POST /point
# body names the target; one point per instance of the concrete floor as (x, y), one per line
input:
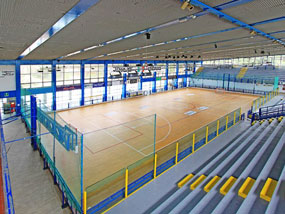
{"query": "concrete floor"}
(32, 187)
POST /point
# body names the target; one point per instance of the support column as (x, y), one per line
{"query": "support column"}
(82, 84)
(34, 122)
(18, 87)
(177, 72)
(186, 74)
(105, 82)
(140, 83)
(53, 79)
(166, 76)
(124, 89)
(229, 79)
(154, 83)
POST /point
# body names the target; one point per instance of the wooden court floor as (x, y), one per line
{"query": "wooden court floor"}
(103, 157)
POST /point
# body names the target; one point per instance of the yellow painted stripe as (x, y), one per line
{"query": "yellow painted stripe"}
(197, 182)
(246, 187)
(84, 202)
(228, 185)
(268, 189)
(185, 180)
(211, 184)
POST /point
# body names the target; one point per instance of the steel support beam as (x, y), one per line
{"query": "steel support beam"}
(233, 20)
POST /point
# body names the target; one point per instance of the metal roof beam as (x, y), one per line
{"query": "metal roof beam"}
(80, 8)
(233, 20)
(226, 5)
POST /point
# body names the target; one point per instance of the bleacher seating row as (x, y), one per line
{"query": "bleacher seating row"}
(251, 73)
(246, 177)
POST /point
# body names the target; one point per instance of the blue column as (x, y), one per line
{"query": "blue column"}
(177, 72)
(185, 79)
(53, 79)
(166, 75)
(140, 83)
(82, 84)
(229, 79)
(105, 82)
(154, 83)
(34, 122)
(124, 89)
(18, 87)
(223, 81)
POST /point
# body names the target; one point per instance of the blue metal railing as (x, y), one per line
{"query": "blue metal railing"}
(272, 111)
(269, 112)
(6, 175)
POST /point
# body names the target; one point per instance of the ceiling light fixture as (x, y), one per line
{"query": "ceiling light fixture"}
(147, 35)
(253, 33)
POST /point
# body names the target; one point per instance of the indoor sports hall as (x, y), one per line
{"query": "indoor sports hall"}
(142, 106)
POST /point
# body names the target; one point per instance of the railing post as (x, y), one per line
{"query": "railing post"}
(207, 133)
(84, 202)
(193, 145)
(234, 118)
(218, 127)
(126, 183)
(240, 114)
(227, 120)
(176, 154)
(155, 163)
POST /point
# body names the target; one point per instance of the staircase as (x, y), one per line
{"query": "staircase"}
(246, 177)
(241, 73)
(200, 69)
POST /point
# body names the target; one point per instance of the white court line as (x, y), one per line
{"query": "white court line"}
(166, 136)
(169, 130)
(118, 139)
(135, 149)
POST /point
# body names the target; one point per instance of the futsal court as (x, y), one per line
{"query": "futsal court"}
(114, 150)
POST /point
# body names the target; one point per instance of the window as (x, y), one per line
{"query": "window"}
(67, 74)
(182, 67)
(162, 72)
(35, 76)
(94, 73)
(171, 69)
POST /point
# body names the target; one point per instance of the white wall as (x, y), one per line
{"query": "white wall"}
(7, 78)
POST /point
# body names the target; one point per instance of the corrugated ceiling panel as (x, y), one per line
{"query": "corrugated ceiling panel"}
(22, 22)
(257, 10)
(198, 26)
(107, 20)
